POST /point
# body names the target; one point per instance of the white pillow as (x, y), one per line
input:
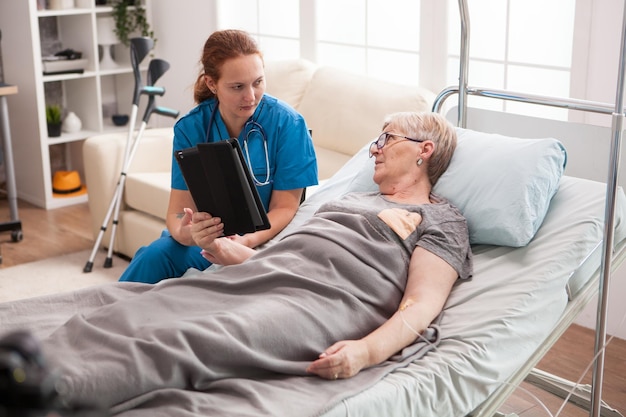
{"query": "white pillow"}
(502, 185)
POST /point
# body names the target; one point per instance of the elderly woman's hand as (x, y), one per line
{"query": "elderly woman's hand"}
(343, 359)
(207, 232)
(227, 251)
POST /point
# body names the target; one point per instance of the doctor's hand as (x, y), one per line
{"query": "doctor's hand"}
(184, 225)
(204, 228)
(343, 359)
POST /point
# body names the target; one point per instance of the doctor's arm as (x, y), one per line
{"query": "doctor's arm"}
(177, 221)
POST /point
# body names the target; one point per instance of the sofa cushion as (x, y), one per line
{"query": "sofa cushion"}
(347, 110)
(148, 192)
(329, 162)
(288, 80)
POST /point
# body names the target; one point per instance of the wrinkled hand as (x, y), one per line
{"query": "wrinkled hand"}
(343, 359)
(204, 228)
(226, 251)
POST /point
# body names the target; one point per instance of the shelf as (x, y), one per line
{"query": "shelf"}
(122, 69)
(68, 76)
(90, 95)
(108, 9)
(59, 201)
(72, 137)
(63, 12)
(104, 9)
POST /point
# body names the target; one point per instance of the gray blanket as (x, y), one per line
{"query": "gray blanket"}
(241, 339)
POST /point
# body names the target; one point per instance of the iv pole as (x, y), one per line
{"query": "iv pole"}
(611, 192)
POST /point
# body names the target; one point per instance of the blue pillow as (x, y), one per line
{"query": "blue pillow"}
(502, 185)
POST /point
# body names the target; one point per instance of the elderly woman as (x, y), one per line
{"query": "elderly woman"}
(338, 297)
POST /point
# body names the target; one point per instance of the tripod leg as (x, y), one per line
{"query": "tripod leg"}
(129, 139)
(109, 259)
(89, 265)
(108, 262)
(116, 195)
(156, 69)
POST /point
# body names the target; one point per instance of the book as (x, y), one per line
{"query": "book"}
(221, 184)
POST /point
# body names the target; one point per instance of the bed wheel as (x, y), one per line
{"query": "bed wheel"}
(17, 235)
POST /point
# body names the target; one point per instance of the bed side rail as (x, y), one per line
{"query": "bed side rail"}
(566, 103)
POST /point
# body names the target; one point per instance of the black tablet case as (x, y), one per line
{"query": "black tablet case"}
(220, 184)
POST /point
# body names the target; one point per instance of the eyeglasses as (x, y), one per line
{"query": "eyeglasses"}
(384, 137)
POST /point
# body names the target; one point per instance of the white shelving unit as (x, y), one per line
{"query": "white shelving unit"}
(36, 156)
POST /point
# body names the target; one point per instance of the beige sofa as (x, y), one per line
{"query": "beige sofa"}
(344, 110)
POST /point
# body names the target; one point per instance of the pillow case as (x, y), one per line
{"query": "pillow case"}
(502, 185)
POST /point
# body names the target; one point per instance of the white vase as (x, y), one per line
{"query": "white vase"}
(72, 123)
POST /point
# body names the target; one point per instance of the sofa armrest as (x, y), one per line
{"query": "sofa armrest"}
(103, 157)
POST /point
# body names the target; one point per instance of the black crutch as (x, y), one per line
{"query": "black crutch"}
(139, 49)
(156, 68)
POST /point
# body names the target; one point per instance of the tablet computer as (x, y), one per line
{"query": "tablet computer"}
(221, 184)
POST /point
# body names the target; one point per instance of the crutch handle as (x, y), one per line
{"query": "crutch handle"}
(164, 111)
(152, 90)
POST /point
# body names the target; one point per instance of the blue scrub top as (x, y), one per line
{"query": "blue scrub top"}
(292, 159)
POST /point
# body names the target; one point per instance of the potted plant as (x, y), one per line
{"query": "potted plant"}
(129, 18)
(53, 119)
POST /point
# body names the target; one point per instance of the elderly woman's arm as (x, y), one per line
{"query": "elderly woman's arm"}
(429, 284)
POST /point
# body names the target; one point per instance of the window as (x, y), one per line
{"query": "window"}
(516, 45)
(368, 37)
(275, 23)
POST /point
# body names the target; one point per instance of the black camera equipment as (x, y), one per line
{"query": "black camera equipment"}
(27, 387)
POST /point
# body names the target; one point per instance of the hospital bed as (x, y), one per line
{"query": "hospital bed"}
(523, 296)
(496, 329)
(537, 241)
(544, 245)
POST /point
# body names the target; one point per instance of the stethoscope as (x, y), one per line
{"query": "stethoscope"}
(252, 127)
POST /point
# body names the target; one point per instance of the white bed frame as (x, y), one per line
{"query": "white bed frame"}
(590, 399)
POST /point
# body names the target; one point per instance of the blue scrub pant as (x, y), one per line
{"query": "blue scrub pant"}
(163, 258)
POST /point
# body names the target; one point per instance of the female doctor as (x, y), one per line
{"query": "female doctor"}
(231, 103)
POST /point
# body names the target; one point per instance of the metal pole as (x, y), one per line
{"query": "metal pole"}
(1, 66)
(611, 192)
(561, 102)
(463, 64)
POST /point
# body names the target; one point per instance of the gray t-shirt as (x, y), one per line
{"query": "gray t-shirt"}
(439, 227)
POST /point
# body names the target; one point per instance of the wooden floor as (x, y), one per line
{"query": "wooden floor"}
(48, 233)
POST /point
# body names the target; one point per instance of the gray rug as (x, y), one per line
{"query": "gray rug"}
(59, 274)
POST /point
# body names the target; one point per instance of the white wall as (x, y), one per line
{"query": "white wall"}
(181, 28)
(601, 60)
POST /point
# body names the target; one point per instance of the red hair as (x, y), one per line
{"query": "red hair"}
(219, 47)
